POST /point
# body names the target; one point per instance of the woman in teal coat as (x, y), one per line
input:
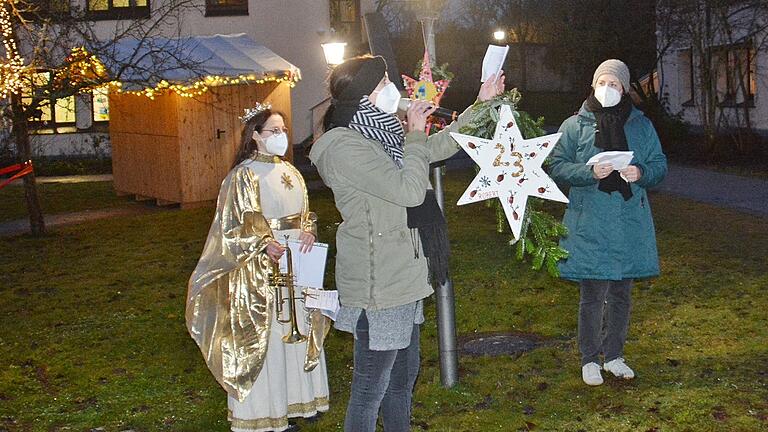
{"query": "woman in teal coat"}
(611, 239)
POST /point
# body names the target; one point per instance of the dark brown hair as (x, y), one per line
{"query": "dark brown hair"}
(338, 80)
(247, 143)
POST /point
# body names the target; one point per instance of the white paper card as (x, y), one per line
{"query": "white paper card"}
(619, 159)
(493, 60)
(326, 301)
(308, 268)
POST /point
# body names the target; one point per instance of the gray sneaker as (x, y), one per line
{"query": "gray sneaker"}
(619, 368)
(590, 373)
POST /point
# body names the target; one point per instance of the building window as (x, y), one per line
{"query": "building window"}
(735, 75)
(117, 9)
(345, 19)
(52, 115)
(60, 115)
(100, 104)
(45, 8)
(226, 7)
(686, 77)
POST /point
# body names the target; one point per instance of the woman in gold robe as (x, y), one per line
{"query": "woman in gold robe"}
(231, 311)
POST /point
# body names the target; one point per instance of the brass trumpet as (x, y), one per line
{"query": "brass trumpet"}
(280, 281)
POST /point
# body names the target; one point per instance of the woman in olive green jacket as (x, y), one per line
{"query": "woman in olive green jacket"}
(380, 180)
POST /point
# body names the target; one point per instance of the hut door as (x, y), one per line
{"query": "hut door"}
(209, 130)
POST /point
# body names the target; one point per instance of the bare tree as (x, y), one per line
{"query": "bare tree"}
(723, 36)
(586, 32)
(65, 56)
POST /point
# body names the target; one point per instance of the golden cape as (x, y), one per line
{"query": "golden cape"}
(229, 301)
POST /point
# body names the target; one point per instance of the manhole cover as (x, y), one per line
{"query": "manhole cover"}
(499, 345)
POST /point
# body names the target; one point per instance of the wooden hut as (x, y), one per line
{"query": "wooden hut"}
(177, 149)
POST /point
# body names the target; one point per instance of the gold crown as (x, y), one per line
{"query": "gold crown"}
(251, 112)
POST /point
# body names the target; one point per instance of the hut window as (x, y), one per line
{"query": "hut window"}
(226, 7)
(100, 105)
(117, 9)
(51, 115)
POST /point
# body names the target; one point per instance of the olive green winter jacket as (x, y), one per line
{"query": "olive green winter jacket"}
(378, 263)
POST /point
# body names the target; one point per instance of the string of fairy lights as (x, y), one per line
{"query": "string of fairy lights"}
(12, 68)
(86, 71)
(201, 86)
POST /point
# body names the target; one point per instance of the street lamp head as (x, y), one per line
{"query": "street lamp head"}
(334, 52)
(499, 35)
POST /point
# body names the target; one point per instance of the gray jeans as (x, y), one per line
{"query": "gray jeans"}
(604, 311)
(381, 380)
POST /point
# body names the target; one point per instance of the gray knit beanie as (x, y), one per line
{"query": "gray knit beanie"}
(613, 67)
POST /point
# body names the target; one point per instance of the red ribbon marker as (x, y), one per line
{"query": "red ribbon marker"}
(22, 168)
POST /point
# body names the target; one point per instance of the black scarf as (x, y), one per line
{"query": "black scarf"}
(609, 136)
(426, 219)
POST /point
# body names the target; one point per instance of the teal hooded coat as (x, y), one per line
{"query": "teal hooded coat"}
(608, 238)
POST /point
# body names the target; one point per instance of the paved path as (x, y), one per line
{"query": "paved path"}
(746, 194)
(21, 226)
(69, 179)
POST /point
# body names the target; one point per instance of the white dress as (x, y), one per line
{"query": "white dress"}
(282, 389)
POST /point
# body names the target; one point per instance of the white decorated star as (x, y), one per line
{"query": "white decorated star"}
(510, 168)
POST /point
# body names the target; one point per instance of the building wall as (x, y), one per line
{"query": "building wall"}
(293, 29)
(677, 85)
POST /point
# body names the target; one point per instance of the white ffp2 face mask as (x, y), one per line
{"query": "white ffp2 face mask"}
(607, 96)
(388, 99)
(275, 144)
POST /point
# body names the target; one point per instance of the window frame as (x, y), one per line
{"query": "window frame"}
(350, 30)
(56, 127)
(52, 126)
(94, 121)
(691, 96)
(730, 55)
(133, 11)
(217, 10)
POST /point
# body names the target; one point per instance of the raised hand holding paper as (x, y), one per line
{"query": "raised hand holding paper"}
(493, 61)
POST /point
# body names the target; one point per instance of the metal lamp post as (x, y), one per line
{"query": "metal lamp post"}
(446, 312)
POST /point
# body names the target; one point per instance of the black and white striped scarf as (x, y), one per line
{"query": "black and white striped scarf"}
(377, 125)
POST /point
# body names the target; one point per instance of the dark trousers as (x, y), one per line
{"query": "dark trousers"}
(604, 311)
(381, 380)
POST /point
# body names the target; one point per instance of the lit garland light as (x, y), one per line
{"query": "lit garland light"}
(81, 69)
(201, 86)
(12, 69)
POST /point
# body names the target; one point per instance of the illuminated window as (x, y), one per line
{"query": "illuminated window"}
(117, 9)
(59, 119)
(100, 105)
(226, 7)
(735, 74)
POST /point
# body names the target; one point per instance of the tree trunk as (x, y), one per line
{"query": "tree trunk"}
(24, 148)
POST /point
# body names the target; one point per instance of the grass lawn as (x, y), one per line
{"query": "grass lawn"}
(60, 198)
(93, 331)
